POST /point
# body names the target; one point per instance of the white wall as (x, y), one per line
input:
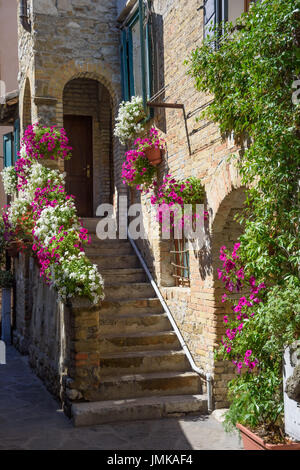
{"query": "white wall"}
(235, 9)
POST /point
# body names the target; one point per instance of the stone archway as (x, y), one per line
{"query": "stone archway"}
(87, 118)
(26, 114)
(104, 75)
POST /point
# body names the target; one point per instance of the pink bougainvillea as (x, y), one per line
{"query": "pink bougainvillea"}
(234, 278)
(41, 142)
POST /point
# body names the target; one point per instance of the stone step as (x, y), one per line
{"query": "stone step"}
(94, 250)
(143, 363)
(136, 290)
(146, 322)
(90, 223)
(131, 306)
(111, 411)
(123, 276)
(163, 340)
(146, 385)
(115, 261)
(108, 242)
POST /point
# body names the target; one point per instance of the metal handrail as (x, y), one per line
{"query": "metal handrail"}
(206, 376)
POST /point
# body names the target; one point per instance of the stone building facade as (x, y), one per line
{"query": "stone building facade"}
(70, 64)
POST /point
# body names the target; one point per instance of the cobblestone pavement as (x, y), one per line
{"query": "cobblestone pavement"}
(31, 419)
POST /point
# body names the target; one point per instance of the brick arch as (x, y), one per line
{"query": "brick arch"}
(225, 230)
(221, 193)
(73, 70)
(26, 103)
(84, 96)
(102, 74)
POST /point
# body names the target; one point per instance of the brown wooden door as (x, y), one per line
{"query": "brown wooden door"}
(79, 169)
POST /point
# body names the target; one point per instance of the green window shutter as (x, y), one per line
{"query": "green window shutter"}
(210, 17)
(130, 64)
(136, 57)
(124, 65)
(8, 149)
(16, 139)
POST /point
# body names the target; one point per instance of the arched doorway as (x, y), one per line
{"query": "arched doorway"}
(26, 114)
(226, 231)
(87, 113)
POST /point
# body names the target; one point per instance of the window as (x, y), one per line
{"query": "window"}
(11, 145)
(8, 140)
(217, 11)
(135, 56)
(181, 262)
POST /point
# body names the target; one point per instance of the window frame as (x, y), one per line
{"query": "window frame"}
(181, 262)
(221, 13)
(126, 52)
(8, 149)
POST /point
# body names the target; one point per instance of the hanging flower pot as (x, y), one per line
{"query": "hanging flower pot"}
(154, 155)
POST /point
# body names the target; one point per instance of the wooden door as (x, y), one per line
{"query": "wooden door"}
(79, 169)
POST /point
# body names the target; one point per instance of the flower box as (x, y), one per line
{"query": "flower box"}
(253, 442)
(13, 248)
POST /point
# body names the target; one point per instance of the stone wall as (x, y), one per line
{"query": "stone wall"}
(71, 39)
(61, 340)
(42, 326)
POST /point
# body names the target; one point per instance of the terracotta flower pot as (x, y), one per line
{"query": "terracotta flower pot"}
(154, 155)
(253, 442)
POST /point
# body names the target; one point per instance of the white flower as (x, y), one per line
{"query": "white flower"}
(10, 180)
(127, 122)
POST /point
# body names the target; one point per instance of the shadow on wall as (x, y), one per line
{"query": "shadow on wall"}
(158, 79)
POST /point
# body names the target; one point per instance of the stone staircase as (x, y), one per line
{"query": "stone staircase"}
(144, 371)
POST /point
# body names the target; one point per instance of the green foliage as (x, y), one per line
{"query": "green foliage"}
(251, 75)
(145, 173)
(257, 397)
(6, 279)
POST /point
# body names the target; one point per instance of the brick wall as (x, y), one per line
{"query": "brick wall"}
(73, 39)
(177, 29)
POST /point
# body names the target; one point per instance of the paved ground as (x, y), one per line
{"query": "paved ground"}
(30, 419)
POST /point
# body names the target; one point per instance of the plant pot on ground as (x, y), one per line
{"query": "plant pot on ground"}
(253, 441)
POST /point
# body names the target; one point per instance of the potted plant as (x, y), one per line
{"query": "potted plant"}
(153, 147)
(42, 143)
(263, 321)
(130, 120)
(174, 195)
(136, 170)
(139, 166)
